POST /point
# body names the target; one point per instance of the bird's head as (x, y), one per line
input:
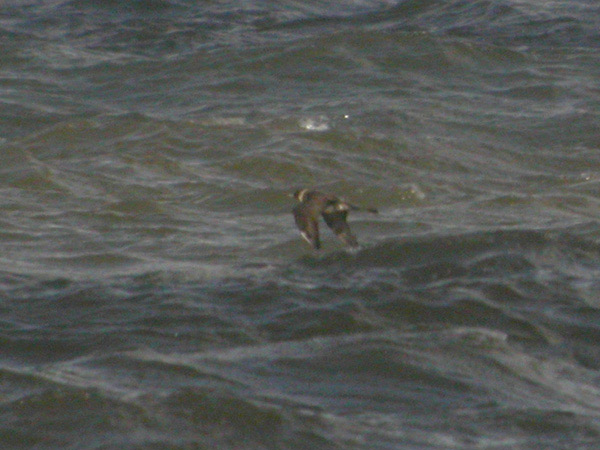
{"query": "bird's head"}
(300, 194)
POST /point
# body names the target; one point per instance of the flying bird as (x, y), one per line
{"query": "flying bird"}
(313, 204)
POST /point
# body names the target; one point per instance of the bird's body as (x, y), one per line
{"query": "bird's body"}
(313, 204)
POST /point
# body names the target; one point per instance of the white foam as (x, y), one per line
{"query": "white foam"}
(320, 123)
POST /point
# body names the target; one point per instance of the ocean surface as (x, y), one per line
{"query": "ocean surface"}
(156, 294)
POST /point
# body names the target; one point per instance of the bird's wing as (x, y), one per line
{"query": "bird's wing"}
(336, 220)
(308, 225)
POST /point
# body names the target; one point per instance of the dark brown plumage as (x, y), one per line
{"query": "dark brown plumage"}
(313, 204)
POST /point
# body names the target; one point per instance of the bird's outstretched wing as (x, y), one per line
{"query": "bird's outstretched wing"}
(336, 220)
(308, 225)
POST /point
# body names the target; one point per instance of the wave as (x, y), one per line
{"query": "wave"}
(159, 26)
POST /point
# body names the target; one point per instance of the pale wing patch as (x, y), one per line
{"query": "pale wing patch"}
(306, 237)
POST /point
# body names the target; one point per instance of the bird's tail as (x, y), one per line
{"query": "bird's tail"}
(360, 208)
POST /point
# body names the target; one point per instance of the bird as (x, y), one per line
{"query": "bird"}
(312, 204)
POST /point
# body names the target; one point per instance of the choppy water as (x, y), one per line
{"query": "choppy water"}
(155, 294)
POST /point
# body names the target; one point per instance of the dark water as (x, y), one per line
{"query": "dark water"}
(154, 293)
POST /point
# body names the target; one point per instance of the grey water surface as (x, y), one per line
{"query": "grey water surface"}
(155, 294)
